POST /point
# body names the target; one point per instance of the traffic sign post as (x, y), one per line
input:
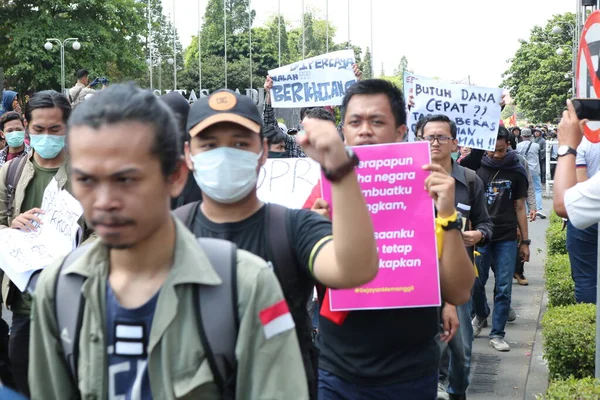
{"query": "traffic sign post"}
(588, 70)
(588, 86)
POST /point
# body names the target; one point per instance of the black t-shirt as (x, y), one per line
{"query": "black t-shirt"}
(502, 189)
(381, 347)
(307, 230)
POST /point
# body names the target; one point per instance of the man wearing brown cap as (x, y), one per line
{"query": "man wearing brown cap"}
(226, 152)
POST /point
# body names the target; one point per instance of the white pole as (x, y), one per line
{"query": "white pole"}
(62, 67)
(279, 27)
(174, 50)
(372, 52)
(225, 37)
(348, 23)
(199, 50)
(326, 26)
(303, 33)
(250, 38)
(150, 65)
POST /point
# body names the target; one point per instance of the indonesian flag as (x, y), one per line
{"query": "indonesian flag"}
(276, 319)
(513, 120)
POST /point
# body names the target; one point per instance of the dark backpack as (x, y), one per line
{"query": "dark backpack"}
(218, 330)
(281, 255)
(15, 170)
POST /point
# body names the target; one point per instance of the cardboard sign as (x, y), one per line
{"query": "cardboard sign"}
(288, 181)
(22, 253)
(474, 109)
(392, 181)
(317, 81)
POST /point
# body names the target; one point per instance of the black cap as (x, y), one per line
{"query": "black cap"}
(81, 73)
(224, 106)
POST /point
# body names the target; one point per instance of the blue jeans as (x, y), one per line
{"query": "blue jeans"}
(332, 387)
(582, 245)
(537, 184)
(455, 362)
(504, 255)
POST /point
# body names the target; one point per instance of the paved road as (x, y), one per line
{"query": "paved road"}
(500, 376)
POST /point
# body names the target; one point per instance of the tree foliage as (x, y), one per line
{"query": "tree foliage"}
(539, 79)
(266, 42)
(112, 34)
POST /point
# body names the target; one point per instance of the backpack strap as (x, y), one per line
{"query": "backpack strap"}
(68, 308)
(281, 253)
(217, 314)
(528, 148)
(471, 177)
(187, 214)
(15, 170)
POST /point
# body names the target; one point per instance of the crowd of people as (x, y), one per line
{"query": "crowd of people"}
(185, 285)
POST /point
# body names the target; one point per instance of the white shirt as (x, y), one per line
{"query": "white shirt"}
(588, 155)
(582, 202)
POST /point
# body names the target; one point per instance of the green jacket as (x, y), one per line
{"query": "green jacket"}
(177, 367)
(23, 306)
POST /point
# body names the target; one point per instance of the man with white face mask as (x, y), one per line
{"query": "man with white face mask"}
(13, 128)
(46, 113)
(226, 152)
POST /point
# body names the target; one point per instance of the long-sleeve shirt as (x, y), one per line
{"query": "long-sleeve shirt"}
(292, 147)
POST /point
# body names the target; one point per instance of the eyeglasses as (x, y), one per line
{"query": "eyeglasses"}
(431, 139)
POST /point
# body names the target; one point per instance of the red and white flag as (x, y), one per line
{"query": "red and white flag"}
(276, 319)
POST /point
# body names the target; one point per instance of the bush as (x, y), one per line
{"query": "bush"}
(573, 389)
(559, 283)
(556, 240)
(555, 219)
(570, 340)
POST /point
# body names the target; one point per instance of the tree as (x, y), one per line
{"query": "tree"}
(112, 34)
(539, 80)
(367, 69)
(265, 48)
(402, 67)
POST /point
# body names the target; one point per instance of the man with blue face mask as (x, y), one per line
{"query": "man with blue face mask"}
(13, 128)
(226, 151)
(47, 114)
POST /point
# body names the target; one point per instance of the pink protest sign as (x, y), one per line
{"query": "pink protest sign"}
(392, 181)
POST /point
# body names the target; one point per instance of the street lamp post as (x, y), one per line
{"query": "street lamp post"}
(574, 46)
(62, 43)
(150, 62)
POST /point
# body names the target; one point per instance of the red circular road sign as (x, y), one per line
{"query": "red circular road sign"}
(588, 70)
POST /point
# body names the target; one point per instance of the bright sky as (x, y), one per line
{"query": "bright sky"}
(447, 39)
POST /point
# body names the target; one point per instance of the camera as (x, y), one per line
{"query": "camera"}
(99, 81)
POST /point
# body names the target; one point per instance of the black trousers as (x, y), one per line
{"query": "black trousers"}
(18, 352)
(543, 170)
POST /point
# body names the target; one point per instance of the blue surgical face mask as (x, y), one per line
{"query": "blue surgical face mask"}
(226, 175)
(15, 139)
(47, 146)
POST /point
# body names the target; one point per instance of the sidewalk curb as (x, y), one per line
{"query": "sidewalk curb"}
(537, 376)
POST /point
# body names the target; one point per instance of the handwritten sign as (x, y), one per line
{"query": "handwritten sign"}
(316, 81)
(288, 181)
(409, 89)
(474, 109)
(22, 252)
(392, 180)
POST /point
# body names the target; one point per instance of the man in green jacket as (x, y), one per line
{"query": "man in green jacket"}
(46, 114)
(140, 277)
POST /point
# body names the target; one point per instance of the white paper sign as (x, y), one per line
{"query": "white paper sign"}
(317, 81)
(288, 181)
(474, 109)
(409, 89)
(22, 253)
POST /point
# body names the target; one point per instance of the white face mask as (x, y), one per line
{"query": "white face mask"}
(226, 175)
